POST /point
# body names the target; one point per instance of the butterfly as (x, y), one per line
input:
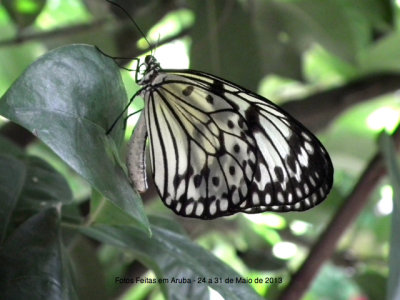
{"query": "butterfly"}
(217, 149)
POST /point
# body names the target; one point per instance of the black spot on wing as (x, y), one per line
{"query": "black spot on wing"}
(188, 90)
(232, 170)
(217, 87)
(279, 173)
(215, 181)
(253, 119)
(197, 180)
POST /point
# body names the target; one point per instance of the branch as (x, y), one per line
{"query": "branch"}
(318, 110)
(61, 32)
(351, 208)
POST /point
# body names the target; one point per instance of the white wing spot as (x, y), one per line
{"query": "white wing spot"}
(309, 148)
(322, 192)
(306, 136)
(243, 189)
(189, 208)
(303, 158)
(298, 192)
(178, 207)
(268, 199)
(235, 197)
(213, 208)
(314, 198)
(223, 204)
(256, 199)
(199, 209)
(280, 197)
(290, 198)
(306, 189)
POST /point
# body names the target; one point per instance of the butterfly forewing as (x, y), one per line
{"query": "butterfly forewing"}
(217, 149)
(202, 161)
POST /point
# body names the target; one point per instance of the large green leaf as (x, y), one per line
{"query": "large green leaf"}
(173, 255)
(30, 260)
(68, 98)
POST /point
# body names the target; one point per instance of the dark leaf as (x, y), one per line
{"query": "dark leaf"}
(31, 262)
(12, 178)
(69, 98)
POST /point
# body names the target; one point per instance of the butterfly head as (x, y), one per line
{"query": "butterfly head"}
(151, 68)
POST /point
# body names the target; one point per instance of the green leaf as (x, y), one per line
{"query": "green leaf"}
(68, 98)
(105, 212)
(12, 178)
(31, 262)
(389, 152)
(170, 255)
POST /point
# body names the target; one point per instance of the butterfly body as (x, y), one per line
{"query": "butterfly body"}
(217, 149)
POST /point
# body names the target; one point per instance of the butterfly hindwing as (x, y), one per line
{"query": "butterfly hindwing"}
(217, 149)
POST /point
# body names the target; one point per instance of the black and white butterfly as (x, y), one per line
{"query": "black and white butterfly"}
(217, 149)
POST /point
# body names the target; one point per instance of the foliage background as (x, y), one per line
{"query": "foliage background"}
(333, 64)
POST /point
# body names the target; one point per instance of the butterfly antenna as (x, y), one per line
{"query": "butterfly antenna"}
(118, 57)
(158, 42)
(132, 20)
